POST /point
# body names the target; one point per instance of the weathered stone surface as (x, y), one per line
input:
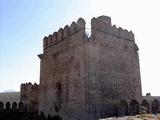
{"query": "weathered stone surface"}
(86, 78)
(30, 96)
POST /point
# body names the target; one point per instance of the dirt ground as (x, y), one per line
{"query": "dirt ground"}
(137, 117)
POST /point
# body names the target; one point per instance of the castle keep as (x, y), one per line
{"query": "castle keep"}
(86, 77)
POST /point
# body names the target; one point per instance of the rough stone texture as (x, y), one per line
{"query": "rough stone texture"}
(85, 78)
(150, 98)
(151, 103)
(30, 96)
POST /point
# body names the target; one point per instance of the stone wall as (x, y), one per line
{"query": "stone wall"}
(30, 96)
(10, 97)
(85, 77)
(63, 72)
(114, 73)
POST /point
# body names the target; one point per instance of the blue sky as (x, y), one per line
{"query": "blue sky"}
(24, 23)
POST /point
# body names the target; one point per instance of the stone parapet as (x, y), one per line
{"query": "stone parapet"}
(64, 33)
(103, 24)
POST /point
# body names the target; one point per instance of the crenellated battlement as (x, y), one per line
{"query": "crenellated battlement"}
(85, 75)
(63, 33)
(100, 24)
(25, 87)
(122, 33)
(29, 95)
(103, 24)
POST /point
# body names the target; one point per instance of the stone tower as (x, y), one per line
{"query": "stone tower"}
(29, 94)
(85, 77)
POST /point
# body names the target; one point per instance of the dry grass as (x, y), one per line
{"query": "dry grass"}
(137, 117)
(148, 117)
